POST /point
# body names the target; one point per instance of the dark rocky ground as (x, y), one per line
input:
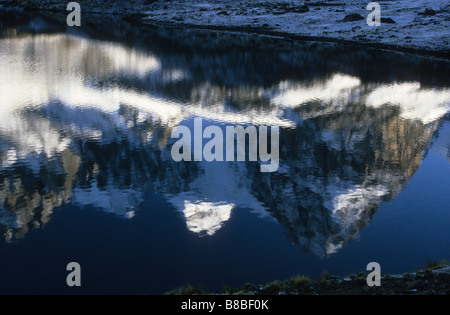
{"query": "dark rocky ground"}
(418, 27)
(433, 280)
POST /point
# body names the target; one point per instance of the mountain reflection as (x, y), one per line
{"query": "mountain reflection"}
(88, 122)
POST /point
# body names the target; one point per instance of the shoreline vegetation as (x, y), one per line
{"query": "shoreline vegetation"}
(420, 28)
(433, 279)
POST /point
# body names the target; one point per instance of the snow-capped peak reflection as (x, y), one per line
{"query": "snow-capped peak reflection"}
(415, 103)
(202, 217)
(334, 94)
(91, 121)
(337, 90)
(213, 195)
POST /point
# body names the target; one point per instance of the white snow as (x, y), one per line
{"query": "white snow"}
(213, 196)
(336, 93)
(336, 90)
(410, 30)
(415, 103)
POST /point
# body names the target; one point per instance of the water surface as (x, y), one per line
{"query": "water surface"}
(86, 173)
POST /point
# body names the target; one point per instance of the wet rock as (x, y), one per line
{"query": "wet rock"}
(223, 13)
(326, 4)
(416, 284)
(278, 12)
(387, 20)
(353, 17)
(428, 12)
(302, 9)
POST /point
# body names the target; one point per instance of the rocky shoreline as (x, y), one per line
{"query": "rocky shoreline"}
(419, 28)
(432, 280)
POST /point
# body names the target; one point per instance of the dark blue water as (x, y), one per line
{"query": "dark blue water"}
(87, 175)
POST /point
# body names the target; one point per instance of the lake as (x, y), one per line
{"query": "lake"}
(87, 173)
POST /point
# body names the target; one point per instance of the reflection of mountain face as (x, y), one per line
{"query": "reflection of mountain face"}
(340, 173)
(78, 124)
(442, 145)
